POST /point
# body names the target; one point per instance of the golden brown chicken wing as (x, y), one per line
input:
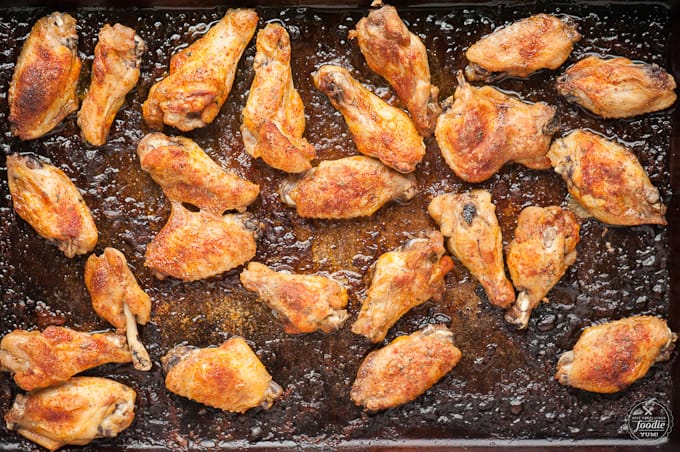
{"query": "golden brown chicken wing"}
(607, 180)
(47, 200)
(303, 303)
(347, 188)
(43, 87)
(201, 75)
(73, 413)
(609, 357)
(617, 87)
(404, 369)
(274, 116)
(403, 279)
(38, 360)
(378, 129)
(229, 377)
(115, 71)
(469, 220)
(543, 248)
(188, 174)
(521, 48)
(482, 128)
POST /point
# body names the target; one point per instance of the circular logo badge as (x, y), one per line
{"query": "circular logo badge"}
(649, 420)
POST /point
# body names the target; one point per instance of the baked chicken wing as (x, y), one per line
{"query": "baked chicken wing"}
(47, 200)
(404, 369)
(482, 128)
(43, 90)
(378, 129)
(73, 413)
(609, 357)
(201, 75)
(607, 180)
(543, 248)
(274, 116)
(617, 87)
(403, 279)
(229, 377)
(469, 220)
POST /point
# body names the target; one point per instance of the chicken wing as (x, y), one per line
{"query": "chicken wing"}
(543, 248)
(403, 279)
(47, 200)
(617, 87)
(45, 80)
(469, 220)
(400, 57)
(521, 48)
(607, 180)
(274, 116)
(115, 71)
(404, 369)
(482, 128)
(609, 357)
(303, 303)
(73, 413)
(378, 129)
(188, 174)
(229, 377)
(38, 360)
(347, 188)
(201, 75)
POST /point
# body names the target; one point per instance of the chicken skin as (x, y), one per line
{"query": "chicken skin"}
(379, 130)
(469, 220)
(118, 299)
(115, 71)
(403, 279)
(482, 128)
(73, 413)
(186, 173)
(609, 357)
(543, 248)
(48, 201)
(347, 188)
(617, 87)
(404, 369)
(274, 116)
(521, 48)
(229, 377)
(400, 57)
(43, 90)
(201, 75)
(303, 303)
(607, 180)
(38, 360)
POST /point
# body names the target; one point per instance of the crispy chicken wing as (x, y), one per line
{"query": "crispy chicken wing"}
(47, 199)
(73, 413)
(347, 188)
(378, 129)
(115, 71)
(45, 80)
(617, 87)
(188, 174)
(404, 369)
(607, 180)
(403, 279)
(609, 357)
(521, 48)
(482, 128)
(274, 116)
(201, 75)
(543, 248)
(469, 220)
(229, 377)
